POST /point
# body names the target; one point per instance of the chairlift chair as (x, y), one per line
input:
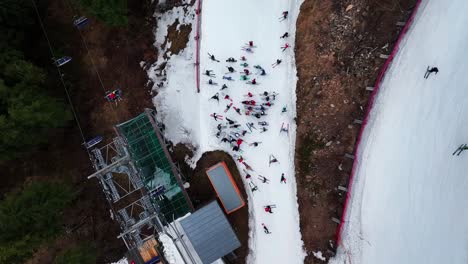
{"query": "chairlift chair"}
(113, 96)
(92, 142)
(62, 61)
(81, 22)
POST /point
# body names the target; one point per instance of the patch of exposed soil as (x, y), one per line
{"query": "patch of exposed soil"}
(202, 192)
(177, 36)
(338, 44)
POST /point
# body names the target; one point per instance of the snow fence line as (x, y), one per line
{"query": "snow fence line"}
(380, 77)
(197, 41)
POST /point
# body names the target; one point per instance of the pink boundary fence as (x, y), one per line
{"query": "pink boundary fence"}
(197, 41)
(382, 72)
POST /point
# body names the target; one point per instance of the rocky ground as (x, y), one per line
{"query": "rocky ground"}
(338, 44)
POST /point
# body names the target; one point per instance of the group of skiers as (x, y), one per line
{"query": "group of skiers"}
(257, 106)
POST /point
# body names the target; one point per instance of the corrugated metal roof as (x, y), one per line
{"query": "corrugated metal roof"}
(210, 233)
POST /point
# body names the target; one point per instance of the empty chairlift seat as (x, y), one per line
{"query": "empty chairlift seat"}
(62, 61)
(81, 22)
(225, 187)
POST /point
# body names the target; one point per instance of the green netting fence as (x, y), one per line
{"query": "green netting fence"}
(154, 166)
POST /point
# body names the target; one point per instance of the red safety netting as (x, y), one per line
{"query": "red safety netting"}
(197, 41)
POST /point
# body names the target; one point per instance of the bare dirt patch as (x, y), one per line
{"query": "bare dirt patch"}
(337, 49)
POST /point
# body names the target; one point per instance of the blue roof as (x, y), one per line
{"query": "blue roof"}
(210, 233)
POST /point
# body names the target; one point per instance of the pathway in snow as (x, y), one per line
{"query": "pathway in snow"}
(226, 27)
(409, 194)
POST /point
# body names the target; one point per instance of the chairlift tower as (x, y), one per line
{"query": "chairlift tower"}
(124, 191)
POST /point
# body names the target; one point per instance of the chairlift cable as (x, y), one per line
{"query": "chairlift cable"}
(73, 10)
(60, 73)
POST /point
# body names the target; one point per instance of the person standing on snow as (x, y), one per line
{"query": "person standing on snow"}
(285, 47)
(283, 179)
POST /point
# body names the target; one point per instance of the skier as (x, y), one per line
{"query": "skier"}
(208, 73)
(283, 179)
(224, 140)
(229, 78)
(244, 132)
(245, 64)
(235, 148)
(246, 71)
(243, 58)
(239, 142)
(255, 144)
(231, 122)
(215, 116)
(248, 50)
(224, 87)
(212, 57)
(251, 43)
(249, 94)
(268, 209)
(265, 229)
(248, 176)
(244, 78)
(216, 97)
(231, 59)
(263, 179)
(429, 71)
(230, 69)
(211, 82)
(285, 47)
(227, 97)
(285, 35)
(254, 81)
(278, 62)
(284, 109)
(247, 102)
(285, 15)
(263, 73)
(273, 160)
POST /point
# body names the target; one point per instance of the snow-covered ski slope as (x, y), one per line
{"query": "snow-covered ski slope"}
(409, 198)
(226, 27)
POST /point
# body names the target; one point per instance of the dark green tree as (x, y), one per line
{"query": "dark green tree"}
(83, 254)
(111, 12)
(27, 113)
(29, 217)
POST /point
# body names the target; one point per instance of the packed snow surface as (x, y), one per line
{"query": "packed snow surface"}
(409, 197)
(225, 28)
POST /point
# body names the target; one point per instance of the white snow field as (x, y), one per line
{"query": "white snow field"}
(409, 198)
(226, 26)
